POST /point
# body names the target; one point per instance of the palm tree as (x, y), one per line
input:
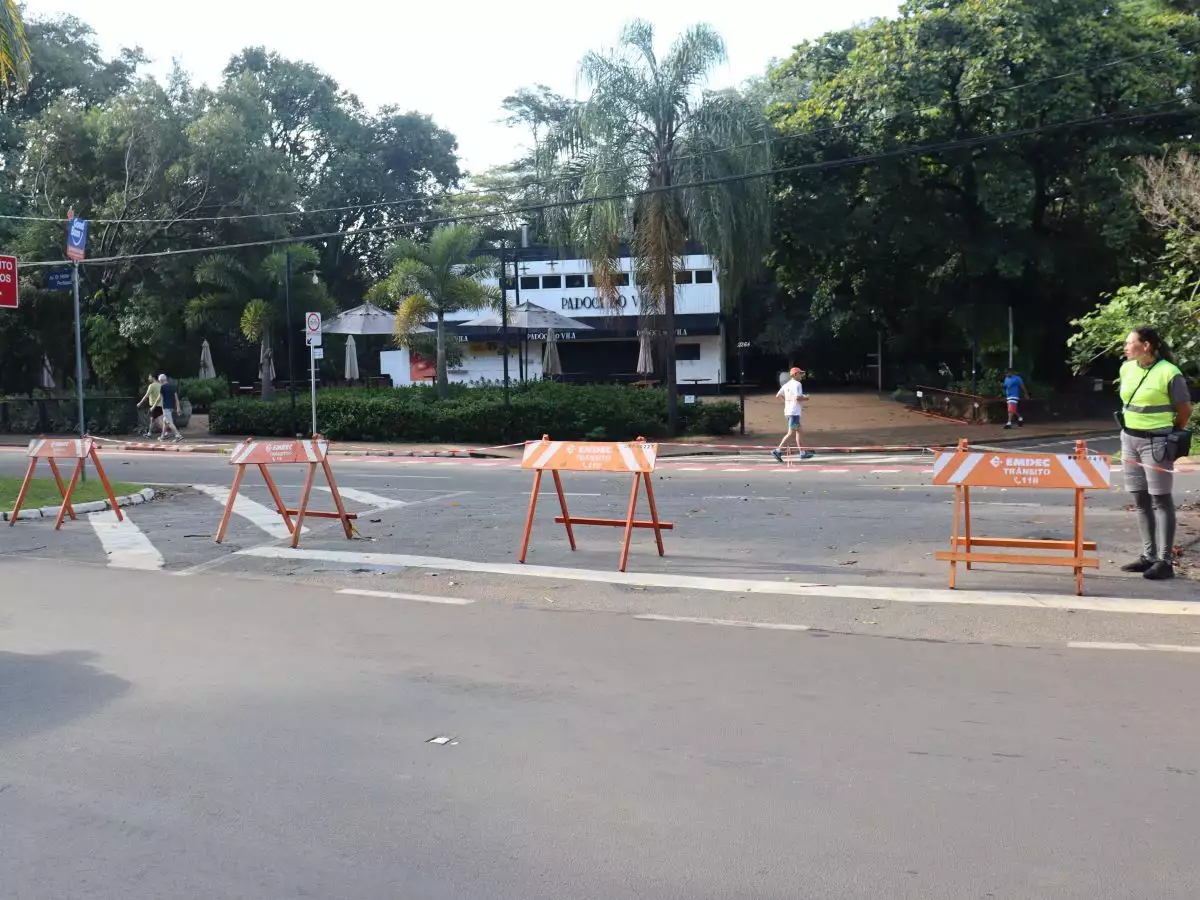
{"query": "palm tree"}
(625, 157)
(433, 280)
(251, 299)
(14, 51)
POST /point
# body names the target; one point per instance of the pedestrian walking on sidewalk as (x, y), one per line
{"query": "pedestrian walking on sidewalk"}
(1156, 406)
(170, 406)
(1014, 392)
(152, 397)
(793, 396)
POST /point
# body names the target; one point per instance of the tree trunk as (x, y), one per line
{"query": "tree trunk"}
(669, 367)
(443, 380)
(268, 385)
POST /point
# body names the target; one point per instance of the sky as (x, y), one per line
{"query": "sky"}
(456, 61)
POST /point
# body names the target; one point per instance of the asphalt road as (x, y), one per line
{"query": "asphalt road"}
(843, 544)
(227, 738)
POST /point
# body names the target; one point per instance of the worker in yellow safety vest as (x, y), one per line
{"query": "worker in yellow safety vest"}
(1155, 406)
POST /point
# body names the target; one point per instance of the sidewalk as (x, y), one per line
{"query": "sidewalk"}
(842, 421)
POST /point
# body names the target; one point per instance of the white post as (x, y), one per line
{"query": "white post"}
(1010, 338)
(312, 365)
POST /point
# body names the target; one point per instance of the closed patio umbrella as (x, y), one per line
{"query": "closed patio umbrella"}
(266, 364)
(206, 364)
(351, 372)
(551, 364)
(47, 377)
(645, 363)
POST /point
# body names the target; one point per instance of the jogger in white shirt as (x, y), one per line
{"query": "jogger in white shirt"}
(792, 394)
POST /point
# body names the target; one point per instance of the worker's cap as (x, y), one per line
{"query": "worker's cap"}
(797, 372)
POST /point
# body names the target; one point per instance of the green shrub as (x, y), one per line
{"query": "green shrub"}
(203, 392)
(475, 415)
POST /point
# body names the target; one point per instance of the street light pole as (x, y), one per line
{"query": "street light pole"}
(287, 302)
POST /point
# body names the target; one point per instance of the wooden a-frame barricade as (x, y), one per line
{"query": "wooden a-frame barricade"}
(51, 449)
(965, 468)
(637, 458)
(313, 453)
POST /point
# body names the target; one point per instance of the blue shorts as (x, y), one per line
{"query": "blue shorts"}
(793, 421)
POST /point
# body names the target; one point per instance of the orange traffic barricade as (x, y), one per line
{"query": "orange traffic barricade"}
(637, 458)
(313, 453)
(964, 468)
(50, 449)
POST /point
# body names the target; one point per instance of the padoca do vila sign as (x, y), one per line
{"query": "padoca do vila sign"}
(8, 282)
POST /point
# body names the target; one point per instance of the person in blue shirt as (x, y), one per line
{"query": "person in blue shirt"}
(1014, 391)
(170, 408)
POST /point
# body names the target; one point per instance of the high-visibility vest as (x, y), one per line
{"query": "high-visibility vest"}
(1146, 395)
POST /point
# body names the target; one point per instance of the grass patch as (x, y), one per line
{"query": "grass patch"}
(44, 492)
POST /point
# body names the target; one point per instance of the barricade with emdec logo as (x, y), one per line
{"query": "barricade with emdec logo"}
(50, 449)
(637, 458)
(964, 468)
(315, 454)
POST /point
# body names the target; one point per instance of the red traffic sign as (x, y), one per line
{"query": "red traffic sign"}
(312, 323)
(8, 282)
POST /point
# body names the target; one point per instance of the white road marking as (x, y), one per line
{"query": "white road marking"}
(885, 471)
(124, 543)
(738, 586)
(265, 518)
(419, 598)
(1105, 645)
(732, 623)
(372, 500)
(833, 471)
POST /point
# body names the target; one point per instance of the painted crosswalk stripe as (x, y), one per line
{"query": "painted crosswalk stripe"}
(1107, 645)
(920, 596)
(375, 501)
(124, 543)
(731, 623)
(418, 598)
(254, 512)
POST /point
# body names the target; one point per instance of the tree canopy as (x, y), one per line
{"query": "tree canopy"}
(276, 150)
(992, 139)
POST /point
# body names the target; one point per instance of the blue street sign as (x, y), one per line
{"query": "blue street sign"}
(58, 280)
(77, 230)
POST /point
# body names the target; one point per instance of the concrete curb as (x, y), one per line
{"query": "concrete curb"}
(51, 512)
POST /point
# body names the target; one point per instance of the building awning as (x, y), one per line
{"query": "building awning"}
(601, 328)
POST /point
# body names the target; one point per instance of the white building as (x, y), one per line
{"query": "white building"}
(608, 350)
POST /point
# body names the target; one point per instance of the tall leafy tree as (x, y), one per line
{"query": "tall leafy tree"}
(631, 154)
(14, 50)
(255, 296)
(432, 280)
(932, 247)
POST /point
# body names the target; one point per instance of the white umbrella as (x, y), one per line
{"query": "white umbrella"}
(266, 364)
(47, 378)
(206, 364)
(645, 363)
(351, 359)
(551, 364)
(528, 317)
(365, 319)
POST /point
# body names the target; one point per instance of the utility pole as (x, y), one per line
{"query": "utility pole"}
(741, 349)
(287, 302)
(78, 350)
(1010, 337)
(879, 360)
(504, 338)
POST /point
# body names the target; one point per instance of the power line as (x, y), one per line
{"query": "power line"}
(393, 204)
(946, 146)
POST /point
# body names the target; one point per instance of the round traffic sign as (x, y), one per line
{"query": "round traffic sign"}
(313, 322)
